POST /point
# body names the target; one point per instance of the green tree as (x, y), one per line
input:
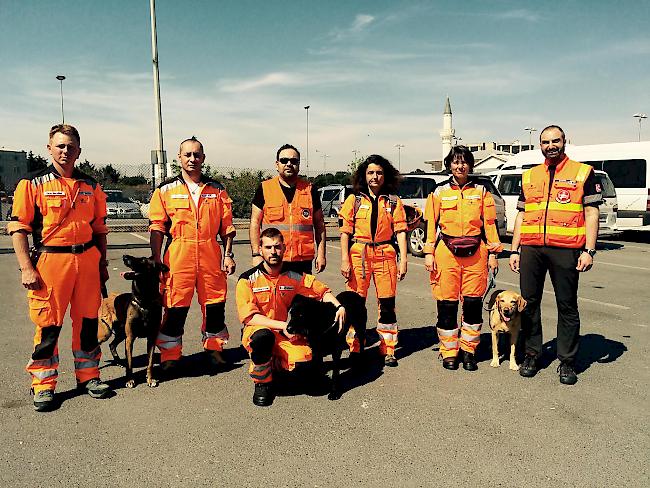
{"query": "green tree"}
(35, 162)
(241, 189)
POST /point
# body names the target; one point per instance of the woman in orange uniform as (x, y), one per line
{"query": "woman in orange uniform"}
(371, 217)
(462, 243)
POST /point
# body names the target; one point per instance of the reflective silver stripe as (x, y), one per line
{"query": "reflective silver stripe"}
(44, 363)
(167, 342)
(93, 355)
(470, 337)
(261, 372)
(86, 364)
(42, 375)
(448, 338)
(474, 327)
(390, 328)
(223, 335)
(387, 337)
(288, 227)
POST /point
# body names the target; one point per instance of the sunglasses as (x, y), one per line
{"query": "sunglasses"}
(293, 161)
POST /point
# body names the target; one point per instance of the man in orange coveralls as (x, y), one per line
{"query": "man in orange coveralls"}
(65, 210)
(193, 210)
(264, 295)
(462, 242)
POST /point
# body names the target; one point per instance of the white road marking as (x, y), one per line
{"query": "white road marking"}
(588, 300)
(620, 265)
(139, 236)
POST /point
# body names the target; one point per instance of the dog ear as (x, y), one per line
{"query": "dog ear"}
(493, 298)
(521, 303)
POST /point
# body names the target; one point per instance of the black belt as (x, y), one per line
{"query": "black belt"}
(74, 249)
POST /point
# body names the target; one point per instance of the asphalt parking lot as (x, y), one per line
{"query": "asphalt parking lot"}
(416, 425)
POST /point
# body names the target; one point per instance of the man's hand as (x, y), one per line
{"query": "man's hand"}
(429, 263)
(229, 265)
(514, 262)
(288, 335)
(401, 270)
(493, 264)
(30, 278)
(346, 269)
(321, 262)
(257, 260)
(340, 318)
(585, 262)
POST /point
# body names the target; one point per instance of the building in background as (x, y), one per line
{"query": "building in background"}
(13, 167)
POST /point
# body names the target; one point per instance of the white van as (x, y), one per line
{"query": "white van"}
(508, 182)
(628, 167)
(332, 198)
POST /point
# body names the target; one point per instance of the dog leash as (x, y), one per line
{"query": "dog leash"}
(492, 278)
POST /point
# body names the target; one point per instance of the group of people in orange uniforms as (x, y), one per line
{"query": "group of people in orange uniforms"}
(65, 211)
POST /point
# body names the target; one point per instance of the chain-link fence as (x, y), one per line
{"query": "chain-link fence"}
(129, 188)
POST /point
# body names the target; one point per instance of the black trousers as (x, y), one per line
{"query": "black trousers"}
(297, 266)
(560, 263)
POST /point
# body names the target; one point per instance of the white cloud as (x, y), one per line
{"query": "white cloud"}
(361, 22)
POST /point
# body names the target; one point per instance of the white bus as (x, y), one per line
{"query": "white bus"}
(628, 166)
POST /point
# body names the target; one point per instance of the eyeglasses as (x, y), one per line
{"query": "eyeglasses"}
(293, 161)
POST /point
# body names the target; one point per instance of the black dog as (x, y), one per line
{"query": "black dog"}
(136, 314)
(315, 320)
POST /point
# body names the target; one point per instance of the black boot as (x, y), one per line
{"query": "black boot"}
(263, 395)
(469, 361)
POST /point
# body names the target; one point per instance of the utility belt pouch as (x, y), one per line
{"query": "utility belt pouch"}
(34, 254)
(462, 247)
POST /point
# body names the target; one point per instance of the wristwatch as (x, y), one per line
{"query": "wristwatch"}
(230, 254)
(591, 252)
(514, 252)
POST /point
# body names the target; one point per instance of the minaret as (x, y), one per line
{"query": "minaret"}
(447, 132)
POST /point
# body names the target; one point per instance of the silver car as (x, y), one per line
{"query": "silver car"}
(120, 207)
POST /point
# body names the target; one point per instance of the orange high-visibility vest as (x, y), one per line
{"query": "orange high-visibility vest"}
(554, 214)
(295, 220)
(456, 212)
(391, 219)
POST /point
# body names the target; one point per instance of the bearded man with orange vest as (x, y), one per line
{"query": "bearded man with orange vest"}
(293, 206)
(65, 211)
(264, 295)
(557, 228)
(193, 210)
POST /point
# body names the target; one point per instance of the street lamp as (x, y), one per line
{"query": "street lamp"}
(307, 149)
(640, 116)
(399, 156)
(61, 78)
(325, 156)
(530, 131)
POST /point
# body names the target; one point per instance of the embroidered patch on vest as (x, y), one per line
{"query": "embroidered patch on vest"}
(54, 193)
(86, 193)
(261, 289)
(305, 213)
(563, 196)
(286, 287)
(179, 196)
(209, 195)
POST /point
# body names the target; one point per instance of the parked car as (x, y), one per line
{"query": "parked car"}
(414, 190)
(118, 206)
(508, 182)
(332, 198)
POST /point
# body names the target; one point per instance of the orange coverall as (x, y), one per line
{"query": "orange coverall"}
(374, 257)
(194, 261)
(457, 212)
(68, 278)
(260, 293)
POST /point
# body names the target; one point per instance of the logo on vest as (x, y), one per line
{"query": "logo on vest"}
(563, 196)
(305, 213)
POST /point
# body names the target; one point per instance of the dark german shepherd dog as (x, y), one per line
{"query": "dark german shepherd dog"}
(315, 320)
(135, 314)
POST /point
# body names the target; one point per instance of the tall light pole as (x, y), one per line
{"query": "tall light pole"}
(530, 131)
(158, 157)
(399, 156)
(640, 116)
(325, 156)
(307, 148)
(61, 78)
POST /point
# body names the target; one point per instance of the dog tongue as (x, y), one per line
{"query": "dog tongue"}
(123, 273)
(506, 319)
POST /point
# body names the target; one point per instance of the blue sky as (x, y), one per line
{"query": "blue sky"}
(237, 74)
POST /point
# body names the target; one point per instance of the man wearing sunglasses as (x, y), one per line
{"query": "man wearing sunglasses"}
(292, 205)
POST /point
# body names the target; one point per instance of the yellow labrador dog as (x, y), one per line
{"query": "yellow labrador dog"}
(505, 317)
